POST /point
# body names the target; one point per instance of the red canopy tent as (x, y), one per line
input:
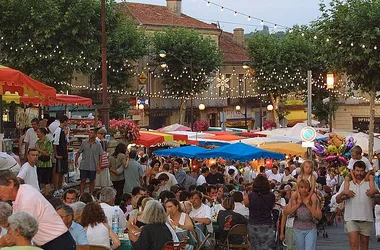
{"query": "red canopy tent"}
(14, 81)
(60, 99)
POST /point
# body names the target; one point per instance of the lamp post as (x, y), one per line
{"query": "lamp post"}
(163, 54)
(105, 107)
(246, 67)
(330, 86)
(238, 109)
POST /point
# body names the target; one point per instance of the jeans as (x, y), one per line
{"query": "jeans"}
(305, 239)
(289, 239)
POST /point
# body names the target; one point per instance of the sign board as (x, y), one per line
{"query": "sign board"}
(308, 144)
(142, 78)
(308, 134)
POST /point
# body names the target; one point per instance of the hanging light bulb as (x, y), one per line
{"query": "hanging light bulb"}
(249, 18)
(275, 26)
(262, 22)
(235, 14)
(208, 3)
(222, 8)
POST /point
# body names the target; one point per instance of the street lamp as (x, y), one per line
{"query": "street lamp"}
(163, 54)
(330, 85)
(201, 107)
(270, 107)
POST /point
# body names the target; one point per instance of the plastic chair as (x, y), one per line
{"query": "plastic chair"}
(239, 229)
(97, 247)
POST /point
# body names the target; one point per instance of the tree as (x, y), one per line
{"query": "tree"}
(281, 62)
(50, 39)
(350, 29)
(191, 57)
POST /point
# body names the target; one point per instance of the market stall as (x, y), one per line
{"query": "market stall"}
(240, 151)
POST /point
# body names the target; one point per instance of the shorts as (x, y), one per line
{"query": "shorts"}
(87, 174)
(363, 227)
(62, 166)
(44, 175)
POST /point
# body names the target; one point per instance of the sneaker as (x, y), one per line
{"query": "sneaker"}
(56, 193)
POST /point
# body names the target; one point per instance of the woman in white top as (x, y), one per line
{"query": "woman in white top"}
(176, 217)
(97, 229)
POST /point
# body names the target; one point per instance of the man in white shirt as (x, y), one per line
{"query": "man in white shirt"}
(275, 175)
(239, 207)
(31, 135)
(358, 213)
(200, 212)
(202, 177)
(28, 171)
(107, 202)
(53, 126)
(252, 175)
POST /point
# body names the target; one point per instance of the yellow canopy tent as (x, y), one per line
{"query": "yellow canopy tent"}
(285, 148)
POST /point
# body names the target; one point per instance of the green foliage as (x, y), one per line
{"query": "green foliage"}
(54, 38)
(280, 61)
(352, 30)
(119, 106)
(186, 49)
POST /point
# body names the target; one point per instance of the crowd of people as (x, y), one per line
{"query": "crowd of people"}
(154, 198)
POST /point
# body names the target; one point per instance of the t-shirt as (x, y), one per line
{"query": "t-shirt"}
(352, 161)
(29, 174)
(78, 233)
(109, 211)
(90, 155)
(226, 220)
(203, 211)
(216, 178)
(172, 180)
(276, 177)
(132, 176)
(53, 126)
(201, 179)
(60, 141)
(31, 137)
(50, 224)
(117, 164)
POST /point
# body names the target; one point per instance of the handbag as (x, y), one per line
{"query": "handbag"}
(44, 158)
(105, 163)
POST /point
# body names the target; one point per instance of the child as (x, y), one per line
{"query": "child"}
(306, 173)
(356, 155)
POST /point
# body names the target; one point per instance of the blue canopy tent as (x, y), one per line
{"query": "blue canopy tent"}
(240, 151)
(186, 151)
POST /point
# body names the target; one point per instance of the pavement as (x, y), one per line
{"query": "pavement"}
(338, 239)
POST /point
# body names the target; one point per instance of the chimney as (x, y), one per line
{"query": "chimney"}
(238, 36)
(174, 6)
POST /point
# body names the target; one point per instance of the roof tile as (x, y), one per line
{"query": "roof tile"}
(149, 14)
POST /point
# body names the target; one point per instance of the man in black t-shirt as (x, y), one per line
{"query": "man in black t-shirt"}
(227, 219)
(214, 177)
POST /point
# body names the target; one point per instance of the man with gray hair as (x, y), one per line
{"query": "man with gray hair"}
(76, 230)
(52, 233)
(107, 202)
(78, 210)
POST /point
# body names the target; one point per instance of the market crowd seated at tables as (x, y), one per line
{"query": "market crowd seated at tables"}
(166, 202)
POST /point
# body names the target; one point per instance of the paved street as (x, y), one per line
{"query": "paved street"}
(338, 239)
